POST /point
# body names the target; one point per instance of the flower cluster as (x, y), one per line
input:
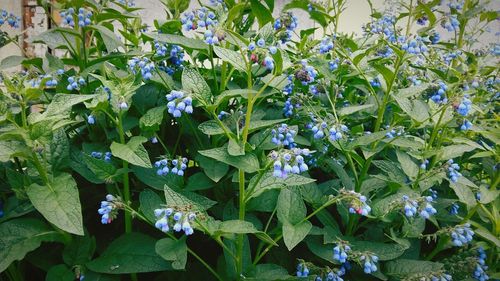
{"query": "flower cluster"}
(9, 18)
(98, 155)
(424, 164)
(290, 106)
(74, 83)
(394, 132)
(442, 276)
(340, 252)
(223, 114)
(83, 17)
(127, 3)
(302, 270)
(384, 25)
(440, 95)
(415, 46)
(335, 276)
(109, 209)
(334, 64)
(283, 135)
(356, 202)
(326, 45)
(178, 102)
(451, 24)
(168, 218)
(176, 166)
(144, 65)
(284, 26)
(461, 235)
(307, 74)
(466, 125)
(465, 106)
(174, 57)
(453, 171)
(199, 18)
(421, 206)
(289, 161)
(481, 267)
(454, 209)
(369, 263)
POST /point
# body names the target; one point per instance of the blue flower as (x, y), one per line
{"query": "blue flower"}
(326, 45)
(461, 235)
(440, 95)
(421, 206)
(108, 209)
(273, 50)
(10, 18)
(144, 65)
(283, 135)
(369, 265)
(91, 119)
(1, 209)
(261, 43)
(251, 46)
(168, 219)
(465, 106)
(466, 125)
(424, 164)
(178, 102)
(454, 209)
(302, 270)
(74, 83)
(123, 105)
(268, 63)
(175, 166)
(340, 252)
(453, 169)
(289, 162)
(128, 3)
(481, 267)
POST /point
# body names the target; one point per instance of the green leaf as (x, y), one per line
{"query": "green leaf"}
(268, 272)
(187, 199)
(109, 38)
(174, 251)
(232, 57)
(102, 169)
(199, 181)
(132, 152)
(403, 268)
(248, 162)
(130, 253)
(214, 170)
(149, 177)
(193, 83)
(455, 150)
(463, 192)
(324, 251)
(56, 38)
(63, 102)
(21, 236)
(294, 234)
(407, 164)
(416, 109)
(353, 109)
(212, 127)
(268, 182)
(59, 203)
(228, 94)
(11, 61)
(79, 251)
(237, 226)
(149, 201)
(180, 40)
(151, 121)
(262, 14)
(290, 207)
(341, 173)
(483, 232)
(58, 150)
(60, 272)
(384, 251)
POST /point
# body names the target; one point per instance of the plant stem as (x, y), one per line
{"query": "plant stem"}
(126, 187)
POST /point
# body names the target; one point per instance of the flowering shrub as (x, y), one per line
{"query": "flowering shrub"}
(225, 144)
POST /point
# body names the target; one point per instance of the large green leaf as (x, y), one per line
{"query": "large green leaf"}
(232, 57)
(384, 251)
(132, 152)
(151, 121)
(60, 272)
(290, 206)
(63, 102)
(21, 236)
(180, 40)
(149, 177)
(193, 83)
(174, 251)
(186, 199)
(248, 162)
(150, 201)
(79, 251)
(59, 203)
(262, 13)
(268, 181)
(214, 170)
(403, 268)
(294, 234)
(109, 38)
(130, 253)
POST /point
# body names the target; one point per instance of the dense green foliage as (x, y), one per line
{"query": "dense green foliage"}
(225, 144)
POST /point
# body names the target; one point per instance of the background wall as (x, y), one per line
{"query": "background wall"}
(356, 14)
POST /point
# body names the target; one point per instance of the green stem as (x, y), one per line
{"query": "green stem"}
(211, 55)
(408, 24)
(126, 187)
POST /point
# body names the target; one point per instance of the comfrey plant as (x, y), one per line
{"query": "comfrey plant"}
(238, 141)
